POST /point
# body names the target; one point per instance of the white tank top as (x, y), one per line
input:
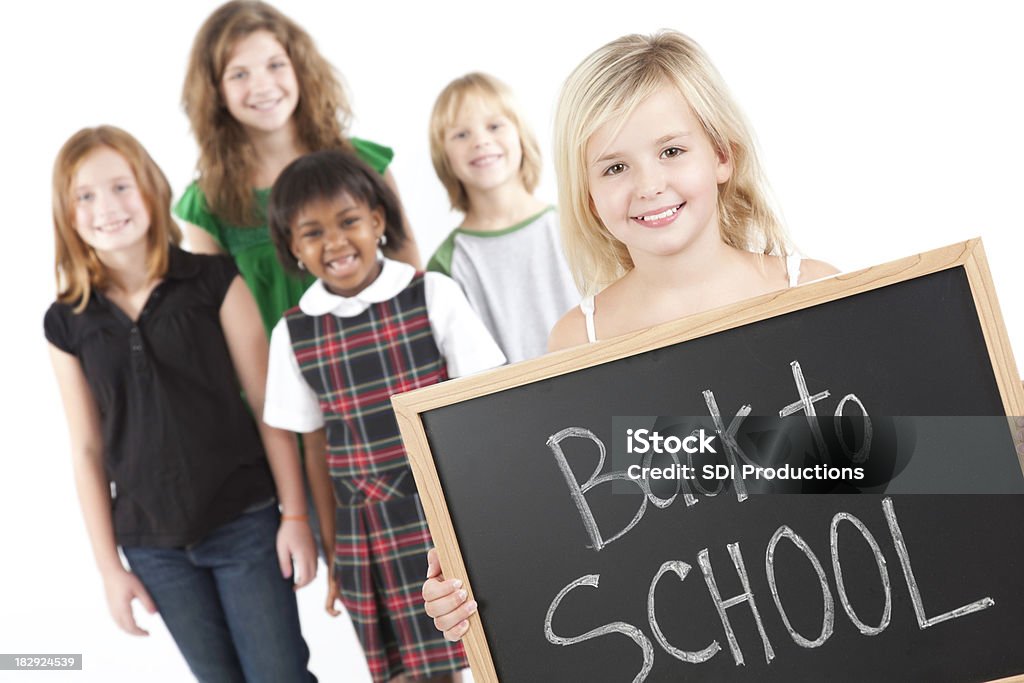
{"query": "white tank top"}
(587, 305)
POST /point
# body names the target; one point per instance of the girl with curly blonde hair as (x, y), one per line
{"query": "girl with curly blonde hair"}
(258, 95)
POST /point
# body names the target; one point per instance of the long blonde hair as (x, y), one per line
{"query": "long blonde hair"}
(77, 268)
(227, 159)
(446, 110)
(608, 86)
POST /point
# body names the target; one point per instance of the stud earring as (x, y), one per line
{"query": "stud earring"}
(382, 240)
(302, 266)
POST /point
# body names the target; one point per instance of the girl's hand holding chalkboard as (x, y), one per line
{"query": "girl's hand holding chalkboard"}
(445, 601)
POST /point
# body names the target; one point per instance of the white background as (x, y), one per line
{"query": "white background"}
(887, 128)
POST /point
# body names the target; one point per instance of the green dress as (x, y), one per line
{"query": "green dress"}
(275, 290)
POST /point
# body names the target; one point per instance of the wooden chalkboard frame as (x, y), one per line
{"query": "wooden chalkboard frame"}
(410, 406)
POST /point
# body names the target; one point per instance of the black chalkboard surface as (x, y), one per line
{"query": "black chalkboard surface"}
(865, 584)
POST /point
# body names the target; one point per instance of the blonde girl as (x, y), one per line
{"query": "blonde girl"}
(259, 94)
(150, 345)
(664, 209)
(506, 254)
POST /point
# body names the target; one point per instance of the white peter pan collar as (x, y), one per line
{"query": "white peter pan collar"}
(394, 277)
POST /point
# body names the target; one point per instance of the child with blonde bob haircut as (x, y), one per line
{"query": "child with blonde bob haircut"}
(444, 116)
(506, 253)
(150, 345)
(665, 210)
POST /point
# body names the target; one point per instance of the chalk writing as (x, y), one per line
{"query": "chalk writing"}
(682, 570)
(732, 450)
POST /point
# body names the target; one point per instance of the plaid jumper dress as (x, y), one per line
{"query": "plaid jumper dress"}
(354, 365)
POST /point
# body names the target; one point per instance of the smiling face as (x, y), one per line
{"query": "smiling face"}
(336, 240)
(483, 146)
(259, 85)
(110, 213)
(654, 179)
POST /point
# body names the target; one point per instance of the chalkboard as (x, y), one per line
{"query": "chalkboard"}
(882, 582)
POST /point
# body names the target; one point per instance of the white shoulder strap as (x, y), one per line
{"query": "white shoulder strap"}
(793, 269)
(587, 306)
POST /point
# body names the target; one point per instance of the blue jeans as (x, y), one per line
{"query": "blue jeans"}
(223, 599)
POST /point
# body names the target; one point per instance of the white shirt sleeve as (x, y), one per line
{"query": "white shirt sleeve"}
(290, 403)
(460, 335)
